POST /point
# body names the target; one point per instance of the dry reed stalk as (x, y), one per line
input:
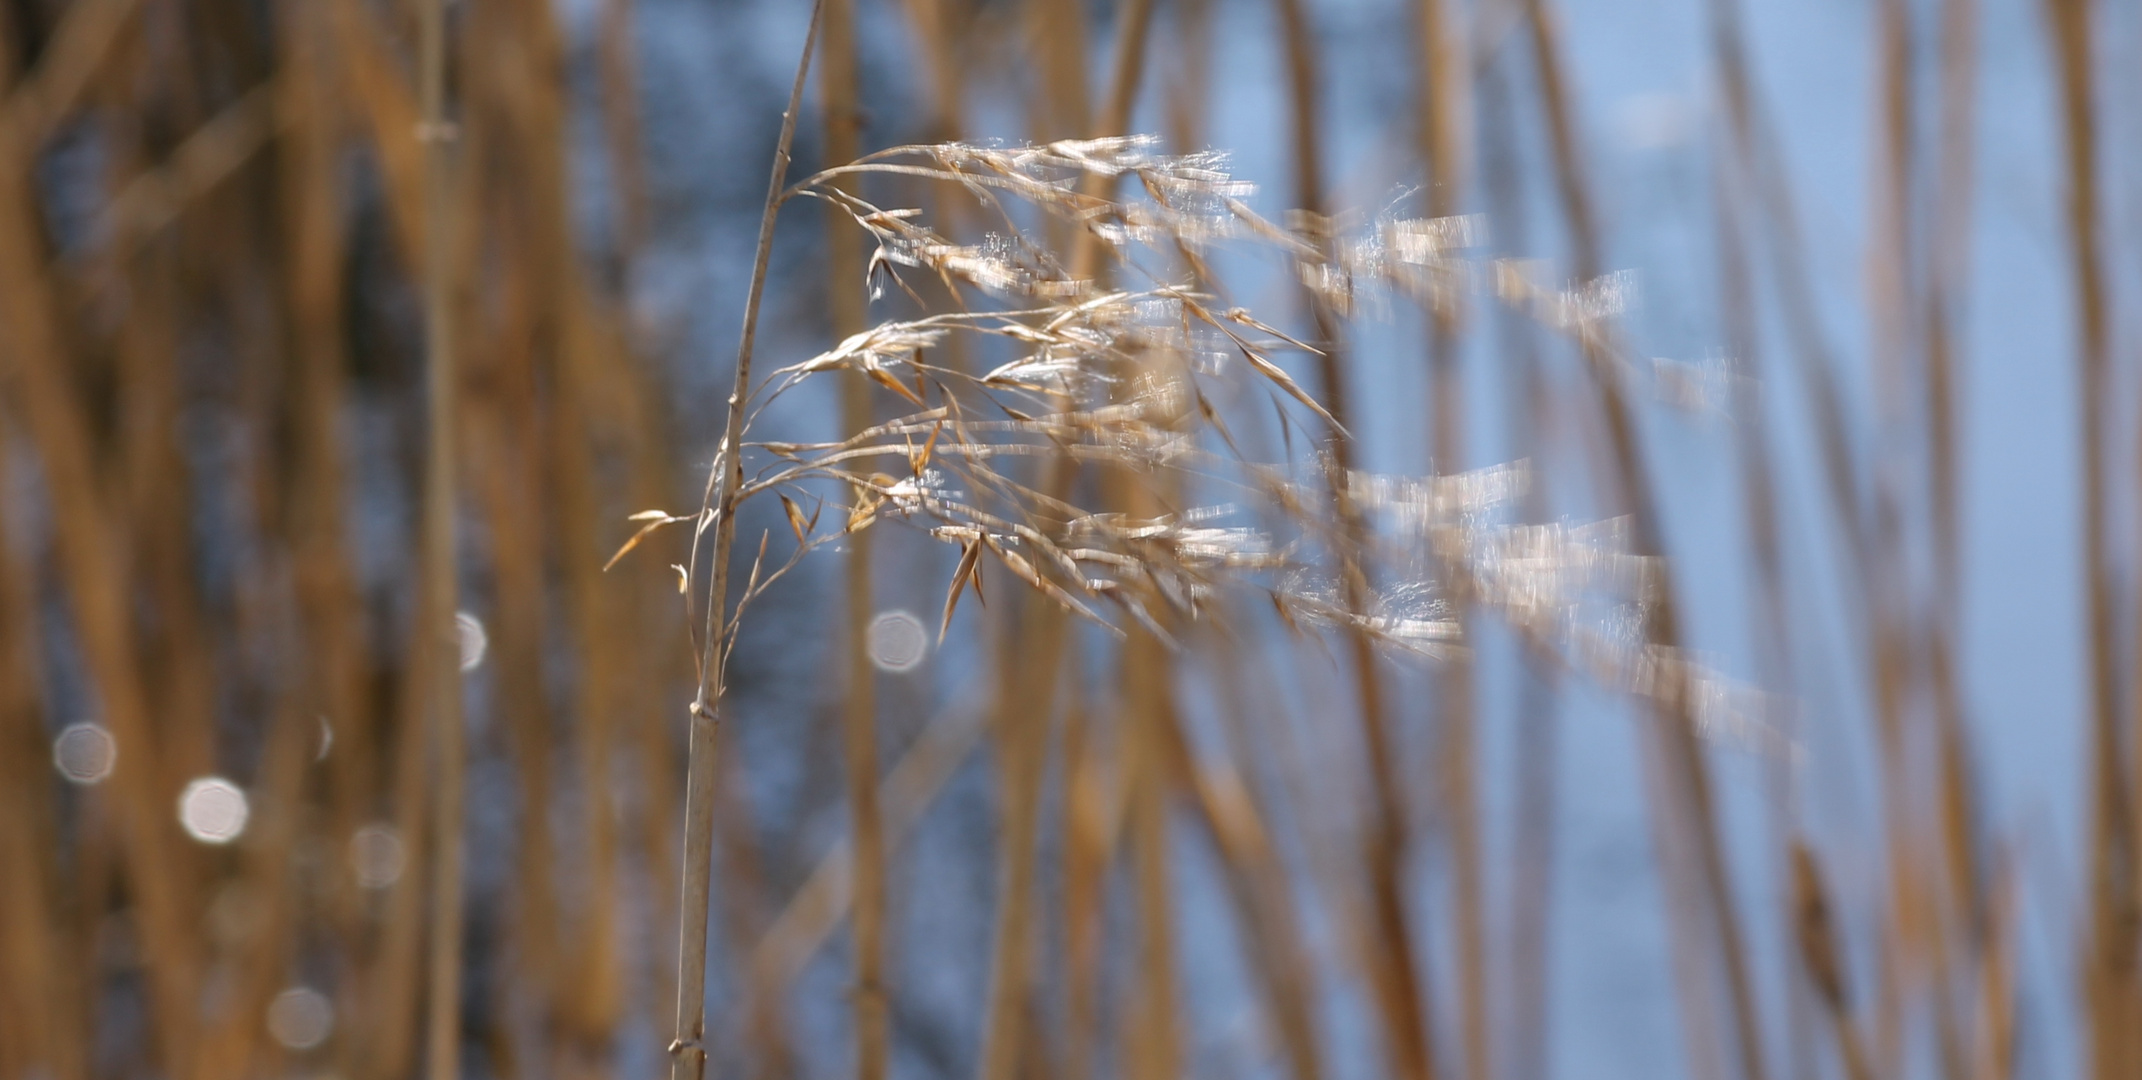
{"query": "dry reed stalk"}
(1892, 287)
(505, 462)
(1126, 76)
(1761, 160)
(1710, 888)
(1156, 1043)
(589, 411)
(1030, 664)
(2110, 992)
(269, 884)
(845, 307)
(505, 427)
(395, 979)
(436, 642)
(157, 488)
(1822, 957)
(41, 993)
(1400, 991)
(326, 590)
(621, 126)
(1525, 1014)
(1092, 808)
(938, 27)
(1189, 76)
(1741, 199)
(1459, 751)
(1089, 848)
(390, 111)
(266, 881)
(1969, 931)
(1770, 614)
(1156, 1040)
(1444, 91)
(687, 1054)
(91, 537)
(1544, 37)
(1062, 101)
(1995, 1018)
(1257, 876)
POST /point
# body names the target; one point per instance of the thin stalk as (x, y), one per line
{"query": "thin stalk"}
(1093, 807)
(1683, 753)
(94, 554)
(844, 265)
(688, 1055)
(2109, 982)
(1157, 1048)
(40, 994)
(436, 638)
(1770, 615)
(1443, 87)
(1229, 802)
(1126, 75)
(1967, 930)
(1399, 989)
(1822, 958)
(1891, 284)
(1525, 1013)
(1031, 672)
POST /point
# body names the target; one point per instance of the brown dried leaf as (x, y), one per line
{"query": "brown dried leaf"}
(922, 460)
(967, 560)
(898, 387)
(650, 527)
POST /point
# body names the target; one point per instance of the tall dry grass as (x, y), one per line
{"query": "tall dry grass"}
(307, 344)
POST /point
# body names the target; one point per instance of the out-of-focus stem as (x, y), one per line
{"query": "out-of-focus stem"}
(438, 644)
(1683, 753)
(1399, 990)
(687, 1052)
(1443, 85)
(844, 301)
(2109, 983)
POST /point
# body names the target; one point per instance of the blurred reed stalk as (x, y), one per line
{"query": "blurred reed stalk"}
(1705, 888)
(438, 637)
(1444, 93)
(688, 1055)
(843, 123)
(215, 221)
(2109, 982)
(1389, 947)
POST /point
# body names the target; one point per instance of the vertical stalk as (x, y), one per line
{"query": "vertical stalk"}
(1525, 1013)
(1399, 990)
(1890, 286)
(1443, 87)
(1156, 1040)
(844, 265)
(439, 650)
(687, 1052)
(2110, 994)
(1967, 932)
(1709, 888)
(1030, 675)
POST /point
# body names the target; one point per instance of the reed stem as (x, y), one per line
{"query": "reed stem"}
(687, 1050)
